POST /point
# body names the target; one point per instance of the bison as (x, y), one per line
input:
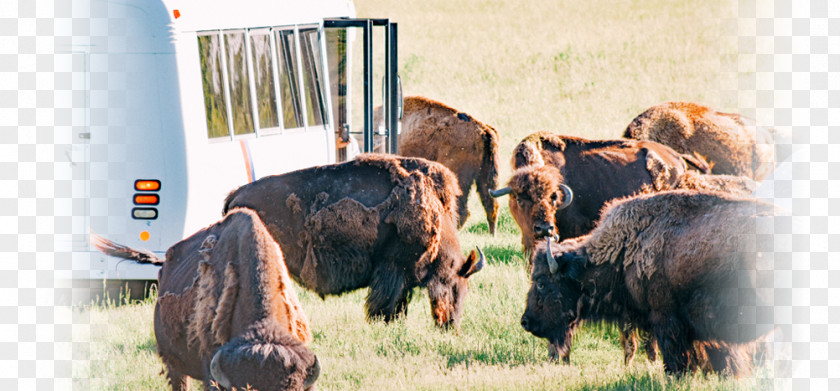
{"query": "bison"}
(226, 310)
(731, 143)
(562, 182)
(465, 145)
(379, 221)
(679, 264)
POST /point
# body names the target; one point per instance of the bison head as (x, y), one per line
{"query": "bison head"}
(447, 291)
(265, 358)
(552, 306)
(537, 193)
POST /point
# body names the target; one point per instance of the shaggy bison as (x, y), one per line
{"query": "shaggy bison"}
(731, 143)
(465, 145)
(679, 264)
(227, 311)
(379, 221)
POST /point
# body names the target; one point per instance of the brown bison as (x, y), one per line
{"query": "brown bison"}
(679, 264)
(227, 311)
(435, 131)
(562, 182)
(379, 221)
(731, 143)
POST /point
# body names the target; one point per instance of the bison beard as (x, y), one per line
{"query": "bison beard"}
(689, 293)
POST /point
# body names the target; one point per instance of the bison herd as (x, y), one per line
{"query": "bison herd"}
(654, 233)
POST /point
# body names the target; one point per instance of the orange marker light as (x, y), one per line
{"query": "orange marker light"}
(147, 185)
(146, 199)
(145, 235)
(176, 13)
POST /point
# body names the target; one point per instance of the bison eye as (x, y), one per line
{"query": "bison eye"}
(540, 286)
(554, 196)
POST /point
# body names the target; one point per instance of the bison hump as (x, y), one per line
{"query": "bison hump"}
(339, 243)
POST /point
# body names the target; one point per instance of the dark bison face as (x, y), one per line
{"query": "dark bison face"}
(551, 309)
(536, 194)
(447, 292)
(265, 358)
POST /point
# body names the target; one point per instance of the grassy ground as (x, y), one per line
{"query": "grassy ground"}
(580, 68)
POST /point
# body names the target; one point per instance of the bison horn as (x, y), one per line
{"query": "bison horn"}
(480, 264)
(568, 196)
(500, 192)
(216, 372)
(552, 263)
(312, 374)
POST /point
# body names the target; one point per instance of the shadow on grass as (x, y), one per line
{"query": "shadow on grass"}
(505, 255)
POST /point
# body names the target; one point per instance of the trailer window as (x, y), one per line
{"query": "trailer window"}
(240, 94)
(287, 70)
(213, 82)
(264, 79)
(312, 75)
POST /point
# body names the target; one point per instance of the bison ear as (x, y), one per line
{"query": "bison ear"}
(472, 265)
(571, 265)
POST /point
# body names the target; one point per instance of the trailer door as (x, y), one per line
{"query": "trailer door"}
(366, 92)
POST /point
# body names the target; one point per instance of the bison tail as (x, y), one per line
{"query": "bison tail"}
(488, 178)
(117, 250)
(228, 200)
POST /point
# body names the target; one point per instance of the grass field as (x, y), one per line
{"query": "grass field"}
(579, 68)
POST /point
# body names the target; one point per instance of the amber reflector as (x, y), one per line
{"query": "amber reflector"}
(147, 185)
(146, 199)
(145, 235)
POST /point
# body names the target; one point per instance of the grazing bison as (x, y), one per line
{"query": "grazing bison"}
(380, 221)
(680, 264)
(227, 311)
(732, 144)
(435, 131)
(562, 182)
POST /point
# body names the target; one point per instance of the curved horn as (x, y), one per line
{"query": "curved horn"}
(568, 196)
(312, 374)
(216, 372)
(500, 192)
(480, 264)
(549, 257)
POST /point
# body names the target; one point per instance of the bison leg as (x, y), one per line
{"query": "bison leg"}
(491, 206)
(178, 381)
(649, 343)
(387, 296)
(674, 344)
(463, 211)
(627, 338)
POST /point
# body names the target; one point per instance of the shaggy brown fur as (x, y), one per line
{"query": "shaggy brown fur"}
(465, 145)
(732, 184)
(731, 143)
(382, 221)
(683, 275)
(216, 284)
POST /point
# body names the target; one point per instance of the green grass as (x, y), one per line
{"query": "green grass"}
(583, 68)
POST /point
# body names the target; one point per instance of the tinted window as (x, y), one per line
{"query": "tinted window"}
(288, 74)
(264, 80)
(213, 83)
(240, 95)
